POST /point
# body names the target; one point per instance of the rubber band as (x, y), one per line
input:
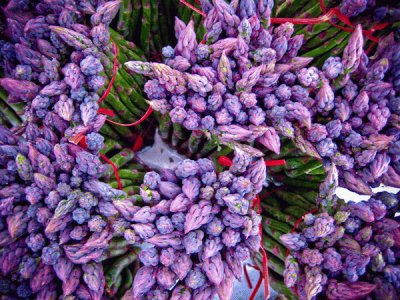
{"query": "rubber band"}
(224, 161)
(275, 162)
(257, 287)
(193, 8)
(143, 118)
(117, 178)
(114, 74)
(106, 111)
(246, 275)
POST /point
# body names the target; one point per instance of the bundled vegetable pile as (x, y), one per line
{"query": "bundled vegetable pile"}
(266, 118)
(200, 226)
(348, 255)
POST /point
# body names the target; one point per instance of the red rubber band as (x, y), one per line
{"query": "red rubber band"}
(108, 90)
(109, 161)
(257, 287)
(193, 8)
(106, 111)
(275, 162)
(143, 118)
(138, 143)
(246, 275)
(225, 161)
(82, 142)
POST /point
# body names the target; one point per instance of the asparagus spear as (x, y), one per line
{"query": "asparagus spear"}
(293, 199)
(300, 183)
(125, 12)
(127, 280)
(130, 174)
(145, 26)
(277, 285)
(9, 113)
(109, 145)
(118, 266)
(277, 214)
(165, 125)
(305, 169)
(107, 131)
(124, 182)
(135, 18)
(273, 233)
(131, 190)
(274, 248)
(276, 225)
(295, 211)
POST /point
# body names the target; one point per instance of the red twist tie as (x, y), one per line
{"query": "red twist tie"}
(275, 162)
(225, 161)
(109, 161)
(115, 63)
(143, 118)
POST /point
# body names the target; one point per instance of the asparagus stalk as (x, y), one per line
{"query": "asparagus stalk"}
(295, 211)
(274, 248)
(130, 174)
(131, 190)
(125, 12)
(277, 214)
(118, 266)
(293, 199)
(276, 225)
(9, 113)
(145, 28)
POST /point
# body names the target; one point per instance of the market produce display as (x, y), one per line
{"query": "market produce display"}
(257, 114)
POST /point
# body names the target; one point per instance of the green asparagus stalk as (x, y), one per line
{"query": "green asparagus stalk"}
(276, 225)
(194, 141)
(305, 169)
(125, 12)
(293, 199)
(131, 190)
(109, 145)
(276, 283)
(277, 214)
(124, 182)
(273, 234)
(295, 211)
(107, 131)
(145, 26)
(130, 174)
(9, 113)
(135, 17)
(300, 183)
(164, 126)
(274, 248)
(127, 280)
(118, 266)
